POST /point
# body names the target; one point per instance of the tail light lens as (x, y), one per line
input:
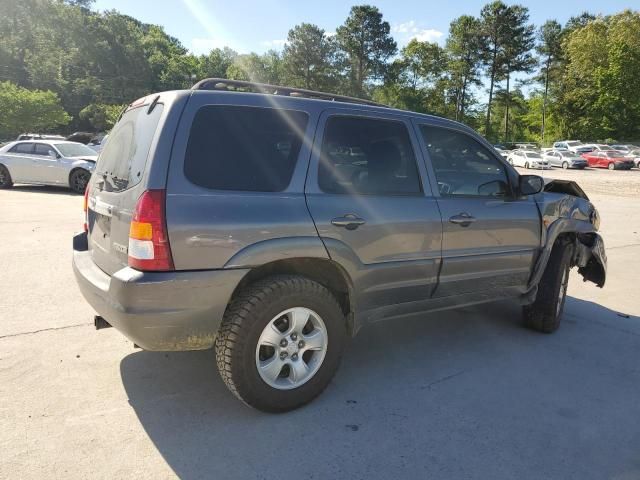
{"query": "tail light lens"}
(86, 210)
(149, 248)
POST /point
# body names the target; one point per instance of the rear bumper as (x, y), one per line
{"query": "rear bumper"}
(166, 311)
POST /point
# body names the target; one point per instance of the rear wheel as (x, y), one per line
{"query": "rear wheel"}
(565, 165)
(526, 165)
(611, 166)
(280, 342)
(545, 313)
(5, 178)
(78, 180)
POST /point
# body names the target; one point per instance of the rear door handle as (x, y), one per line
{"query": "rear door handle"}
(463, 219)
(348, 221)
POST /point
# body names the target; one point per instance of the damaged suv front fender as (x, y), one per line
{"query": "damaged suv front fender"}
(566, 212)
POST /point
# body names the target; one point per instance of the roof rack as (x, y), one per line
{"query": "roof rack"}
(224, 84)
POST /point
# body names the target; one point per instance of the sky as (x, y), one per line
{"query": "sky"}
(256, 26)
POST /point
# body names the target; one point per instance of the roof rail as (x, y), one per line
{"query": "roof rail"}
(224, 84)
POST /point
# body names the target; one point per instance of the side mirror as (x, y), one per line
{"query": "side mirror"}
(530, 184)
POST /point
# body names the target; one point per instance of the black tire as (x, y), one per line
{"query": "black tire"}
(5, 178)
(545, 313)
(78, 180)
(244, 321)
(611, 166)
(565, 165)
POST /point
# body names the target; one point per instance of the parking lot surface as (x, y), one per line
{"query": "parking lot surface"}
(465, 394)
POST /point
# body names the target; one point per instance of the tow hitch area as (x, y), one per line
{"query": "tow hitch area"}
(100, 322)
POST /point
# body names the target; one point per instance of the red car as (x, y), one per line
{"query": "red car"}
(610, 159)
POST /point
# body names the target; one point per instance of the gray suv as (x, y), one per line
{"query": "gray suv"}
(273, 223)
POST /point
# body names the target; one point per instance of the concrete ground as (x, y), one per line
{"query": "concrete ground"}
(463, 394)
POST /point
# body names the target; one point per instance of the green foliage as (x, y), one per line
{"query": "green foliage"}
(101, 116)
(367, 44)
(26, 110)
(586, 82)
(309, 58)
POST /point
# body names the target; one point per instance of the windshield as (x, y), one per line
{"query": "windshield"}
(573, 144)
(533, 155)
(74, 150)
(614, 154)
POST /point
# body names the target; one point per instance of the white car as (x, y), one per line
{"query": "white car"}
(634, 154)
(570, 145)
(45, 162)
(597, 147)
(528, 159)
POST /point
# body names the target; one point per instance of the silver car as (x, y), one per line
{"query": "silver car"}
(45, 162)
(565, 159)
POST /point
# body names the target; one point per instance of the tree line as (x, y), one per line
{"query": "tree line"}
(66, 66)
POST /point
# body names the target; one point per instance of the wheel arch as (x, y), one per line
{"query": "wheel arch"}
(322, 270)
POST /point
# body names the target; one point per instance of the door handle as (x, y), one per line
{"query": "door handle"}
(348, 221)
(463, 219)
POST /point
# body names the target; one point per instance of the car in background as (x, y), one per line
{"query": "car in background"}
(611, 159)
(97, 143)
(598, 147)
(81, 137)
(503, 153)
(570, 145)
(527, 159)
(39, 136)
(634, 155)
(564, 159)
(46, 162)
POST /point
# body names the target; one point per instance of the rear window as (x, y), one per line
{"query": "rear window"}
(244, 148)
(122, 161)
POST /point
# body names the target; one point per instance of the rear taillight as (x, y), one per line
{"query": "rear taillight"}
(148, 239)
(86, 210)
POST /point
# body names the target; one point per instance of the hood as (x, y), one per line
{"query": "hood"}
(564, 186)
(87, 158)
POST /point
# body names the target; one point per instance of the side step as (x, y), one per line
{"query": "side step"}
(100, 322)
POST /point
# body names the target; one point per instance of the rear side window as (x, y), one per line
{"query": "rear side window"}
(22, 148)
(122, 161)
(244, 148)
(367, 156)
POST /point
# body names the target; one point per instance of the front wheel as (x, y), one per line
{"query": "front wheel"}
(565, 165)
(280, 342)
(545, 313)
(78, 180)
(526, 165)
(611, 166)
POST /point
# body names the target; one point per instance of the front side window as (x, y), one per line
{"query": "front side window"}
(244, 148)
(462, 165)
(367, 156)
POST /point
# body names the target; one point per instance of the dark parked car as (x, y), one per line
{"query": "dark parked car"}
(273, 223)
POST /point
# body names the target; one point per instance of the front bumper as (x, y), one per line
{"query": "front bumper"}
(165, 311)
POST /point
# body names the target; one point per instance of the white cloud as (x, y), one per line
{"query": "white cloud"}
(329, 34)
(407, 31)
(278, 43)
(428, 35)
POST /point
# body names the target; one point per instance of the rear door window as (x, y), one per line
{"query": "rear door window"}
(367, 156)
(123, 160)
(24, 148)
(244, 148)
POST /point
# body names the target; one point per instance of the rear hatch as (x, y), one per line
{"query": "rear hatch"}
(117, 183)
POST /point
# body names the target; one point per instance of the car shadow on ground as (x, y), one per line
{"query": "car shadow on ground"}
(466, 393)
(45, 189)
